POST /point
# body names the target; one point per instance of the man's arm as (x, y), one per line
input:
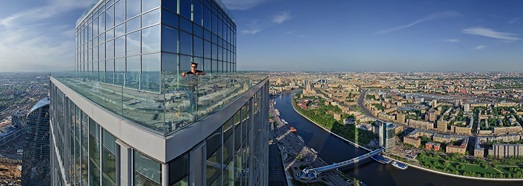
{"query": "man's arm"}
(200, 73)
(183, 74)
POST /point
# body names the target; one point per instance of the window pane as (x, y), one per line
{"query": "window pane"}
(185, 8)
(198, 30)
(171, 5)
(207, 18)
(207, 49)
(133, 43)
(185, 25)
(151, 18)
(119, 46)
(94, 152)
(119, 30)
(214, 156)
(169, 62)
(197, 12)
(151, 39)
(119, 65)
(151, 72)
(198, 47)
(119, 12)
(109, 17)
(146, 171)
(179, 170)
(109, 49)
(133, 24)
(152, 4)
(170, 18)
(133, 72)
(110, 34)
(109, 71)
(170, 39)
(185, 43)
(133, 8)
(109, 158)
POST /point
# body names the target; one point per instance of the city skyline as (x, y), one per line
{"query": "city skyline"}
(349, 36)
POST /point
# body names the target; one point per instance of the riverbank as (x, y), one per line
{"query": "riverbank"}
(457, 176)
(327, 130)
(414, 166)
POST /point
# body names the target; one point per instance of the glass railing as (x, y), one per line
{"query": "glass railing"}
(174, 102)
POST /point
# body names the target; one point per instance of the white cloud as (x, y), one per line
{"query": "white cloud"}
(438, 15)
(452, 40)
(242, 4)
(515, 20)
(479, 47)
(282, 17)
(487, 32)
(31, 43)
(251, 31)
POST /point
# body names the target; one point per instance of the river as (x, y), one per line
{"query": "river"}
(332, 149)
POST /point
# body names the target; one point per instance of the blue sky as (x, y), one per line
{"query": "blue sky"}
(307, 35)
(371, 35)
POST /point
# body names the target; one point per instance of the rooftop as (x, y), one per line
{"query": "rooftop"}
(169, 110)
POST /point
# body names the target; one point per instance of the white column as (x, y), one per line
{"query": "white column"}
(165, 175)
(125, 164)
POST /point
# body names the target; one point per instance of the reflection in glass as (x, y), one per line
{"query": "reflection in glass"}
(151, 39)
(150, 72)
(133, 43)
(198, 47)
(214, 156)
(147, 172)
(169, 62)
(133, 8)
(185, 9)
(170, 18)
(119, 12)
(185, 43)
(169, 39)
(197, 12)
(179, 171)
(119, 46)
(170, 5)
(133, 24)
(153, 4)
(119, 65)
(94, 152)
(151, 18)
(133, 72)
(108, 159)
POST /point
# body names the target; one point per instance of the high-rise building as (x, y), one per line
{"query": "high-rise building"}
(386, 133)
(35, 162)
(126, 116)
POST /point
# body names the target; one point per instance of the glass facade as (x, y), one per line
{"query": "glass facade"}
(130, 55)
(116, 41)
(36, 160)
(129, 58)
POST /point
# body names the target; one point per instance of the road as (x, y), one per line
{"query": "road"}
(362, 106)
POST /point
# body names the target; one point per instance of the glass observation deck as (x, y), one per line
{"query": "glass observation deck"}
(180, 102)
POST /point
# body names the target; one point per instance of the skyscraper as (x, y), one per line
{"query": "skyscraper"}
(386, 133)
(126, 116)
(35, 162)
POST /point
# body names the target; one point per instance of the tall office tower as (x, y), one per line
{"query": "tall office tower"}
(126, 116)
(386, 133)
(35, 162)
